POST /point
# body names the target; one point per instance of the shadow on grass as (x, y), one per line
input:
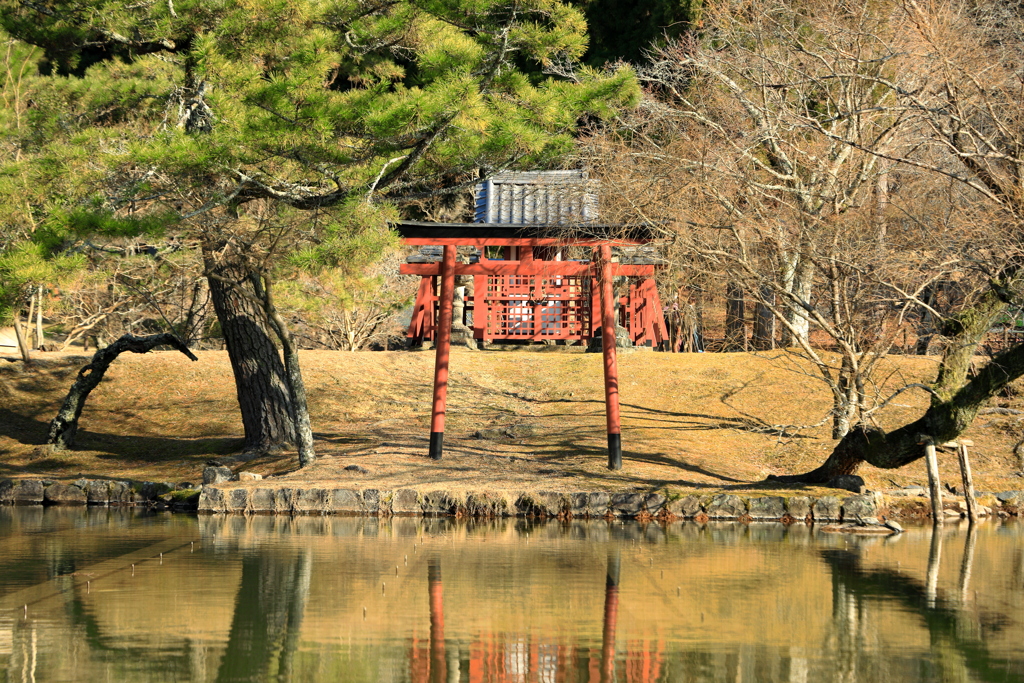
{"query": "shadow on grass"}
(712, 422)
(32, 431)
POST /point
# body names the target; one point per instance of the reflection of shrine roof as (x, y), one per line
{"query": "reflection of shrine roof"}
(588, 233)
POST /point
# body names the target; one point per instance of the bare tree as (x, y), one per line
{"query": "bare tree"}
(728, 154)
(958, 81)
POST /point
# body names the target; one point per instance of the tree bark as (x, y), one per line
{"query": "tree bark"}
(22, 344)
(764, 321)
(65, 424)
(296, 385)
(955, 399)
(264, 399)
(735, 324)
(944, 421)
(799, 278)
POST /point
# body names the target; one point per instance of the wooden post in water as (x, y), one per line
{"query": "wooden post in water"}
(965, 472)
(934, 487)
(611, 368)
(931, 590)
(442, 343)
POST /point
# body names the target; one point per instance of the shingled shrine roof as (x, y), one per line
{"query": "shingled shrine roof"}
(554, 198)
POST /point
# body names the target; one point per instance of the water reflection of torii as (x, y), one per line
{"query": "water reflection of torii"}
(438, 656)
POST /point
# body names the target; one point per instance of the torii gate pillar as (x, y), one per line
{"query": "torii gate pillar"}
(611, 367)
(443, 346)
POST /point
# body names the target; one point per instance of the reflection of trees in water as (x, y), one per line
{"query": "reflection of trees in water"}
(264, 636)
(958, 646)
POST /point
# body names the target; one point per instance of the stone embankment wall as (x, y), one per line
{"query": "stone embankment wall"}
(98, 492)
(720, 506)
(259, 499)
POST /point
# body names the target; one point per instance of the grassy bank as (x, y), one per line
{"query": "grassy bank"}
(700, 421)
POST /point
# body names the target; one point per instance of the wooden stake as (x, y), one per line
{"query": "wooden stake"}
(965, 472)
(934, 487)
(442, 343)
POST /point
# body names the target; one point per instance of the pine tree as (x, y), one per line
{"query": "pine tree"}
(271, 132)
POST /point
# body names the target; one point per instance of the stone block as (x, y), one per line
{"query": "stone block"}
(306, 501)
(249, 476)
(687, 507)
(346, 502)
(827, 509)
(217, 475)
(848, 482)
(579, 504)
(599, 502)
(798, 507)
(64, 494)
(262, 500)
(726, 506)
(283, 499)
(859, 507)
(212, 500)
(767, 508)
(438, 503)
(541, 504)
(405, 502)
(151, 490)
(371, 501)
(1010, 497)
(237, 500)
(6, 487)
(654, 503)
(97, 493)
(627, 504)
(25, 492)
(487, 505)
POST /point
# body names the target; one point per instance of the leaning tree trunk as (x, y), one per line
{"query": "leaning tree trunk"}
(955, 401)
(263, 396)
(65, 425)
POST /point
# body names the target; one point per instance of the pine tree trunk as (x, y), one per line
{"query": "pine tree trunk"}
(296, 385)
(263, 396)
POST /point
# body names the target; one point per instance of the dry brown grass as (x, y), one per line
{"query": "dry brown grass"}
(686, 421)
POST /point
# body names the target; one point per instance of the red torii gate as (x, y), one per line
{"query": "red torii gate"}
(645, 306)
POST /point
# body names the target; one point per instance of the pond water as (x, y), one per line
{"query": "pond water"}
(121, 595)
